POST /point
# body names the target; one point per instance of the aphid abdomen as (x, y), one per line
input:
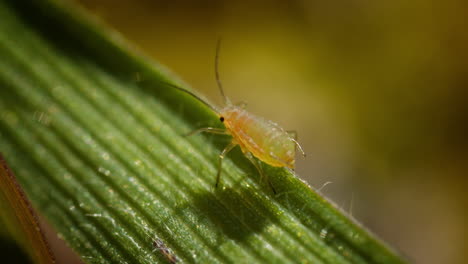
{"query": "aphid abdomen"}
(264, 139)
(279, 146)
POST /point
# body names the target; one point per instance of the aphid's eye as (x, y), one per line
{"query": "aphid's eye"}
(221, 119)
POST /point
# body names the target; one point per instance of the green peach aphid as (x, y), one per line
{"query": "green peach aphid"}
(256, 136)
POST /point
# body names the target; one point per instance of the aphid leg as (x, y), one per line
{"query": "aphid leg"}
(260, 171)
(299, 147)
(221, 157)
(208, 130)
(293, 133)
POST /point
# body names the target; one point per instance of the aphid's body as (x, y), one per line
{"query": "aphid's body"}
(264, 139)
(256, 136)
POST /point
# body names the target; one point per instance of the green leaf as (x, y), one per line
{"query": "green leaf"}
(97, 143)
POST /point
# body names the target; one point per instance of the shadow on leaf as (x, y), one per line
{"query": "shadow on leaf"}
(227, 211)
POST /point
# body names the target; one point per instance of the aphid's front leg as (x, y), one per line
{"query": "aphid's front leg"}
(221, 157)
(260, 171)
(208, 130)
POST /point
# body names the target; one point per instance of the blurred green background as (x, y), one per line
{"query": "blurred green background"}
(376, 90)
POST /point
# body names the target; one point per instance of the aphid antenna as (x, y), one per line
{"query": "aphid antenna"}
(191, 94)
(218, 80)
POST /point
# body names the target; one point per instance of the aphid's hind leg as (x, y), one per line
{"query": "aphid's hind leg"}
(212, 130)
(293, 134)
(260, 171)
(221, 157)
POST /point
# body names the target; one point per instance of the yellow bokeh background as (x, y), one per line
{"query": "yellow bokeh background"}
(378, 92)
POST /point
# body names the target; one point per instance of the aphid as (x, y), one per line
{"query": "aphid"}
(256, 137)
